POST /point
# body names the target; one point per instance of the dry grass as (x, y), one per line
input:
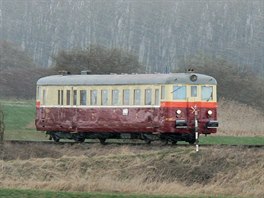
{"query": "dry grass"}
(238, 119)
(135, 169)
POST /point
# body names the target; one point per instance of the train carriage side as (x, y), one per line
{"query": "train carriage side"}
(148, 106)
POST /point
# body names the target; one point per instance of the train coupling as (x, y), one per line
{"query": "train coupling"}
(181, 124)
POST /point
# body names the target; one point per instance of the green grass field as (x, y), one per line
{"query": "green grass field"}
(20, 115)
(19, 120)
(12, 193)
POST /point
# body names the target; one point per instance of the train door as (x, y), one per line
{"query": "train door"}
(60, 106)
(74, 109)
(156, 113)
(192, 105)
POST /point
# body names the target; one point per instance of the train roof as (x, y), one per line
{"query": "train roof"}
(125, 79)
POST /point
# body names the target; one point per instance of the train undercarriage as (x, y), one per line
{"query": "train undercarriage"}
(165, 138)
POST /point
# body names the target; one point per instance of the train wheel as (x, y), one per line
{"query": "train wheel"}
(148, 141)
(102, 141)
(55, 138)
(192, 141)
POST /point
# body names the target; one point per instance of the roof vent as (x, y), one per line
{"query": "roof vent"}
(64, 72)
(86, 72)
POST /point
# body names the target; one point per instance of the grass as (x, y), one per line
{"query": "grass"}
(129, 171)
(14, 193)
(238, 119)
(19, 120)
(232, 140)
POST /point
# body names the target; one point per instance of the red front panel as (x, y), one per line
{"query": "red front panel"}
(188, 113)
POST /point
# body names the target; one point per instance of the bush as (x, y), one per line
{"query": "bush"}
(98, 59)
(20, 82)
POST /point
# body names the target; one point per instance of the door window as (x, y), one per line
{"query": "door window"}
(193, 91)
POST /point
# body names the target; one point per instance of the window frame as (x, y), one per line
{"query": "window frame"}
(137, 97)
(115, 97)
(93, 97)
(211, 98)
(126, 96)
(148, 96)
(83, 97)
(104, 97)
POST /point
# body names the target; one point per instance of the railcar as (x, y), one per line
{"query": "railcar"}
(134, 106)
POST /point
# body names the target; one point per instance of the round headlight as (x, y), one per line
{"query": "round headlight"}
(178, 111)
(209, 112)
(193, 78)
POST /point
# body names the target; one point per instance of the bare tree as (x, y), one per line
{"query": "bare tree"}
(2, 125)
(2, 129)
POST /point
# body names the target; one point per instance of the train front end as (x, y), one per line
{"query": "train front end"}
(191, 101)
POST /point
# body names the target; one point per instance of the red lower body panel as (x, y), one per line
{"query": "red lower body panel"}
(122, 120)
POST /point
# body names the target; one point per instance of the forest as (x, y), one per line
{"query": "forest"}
(162, 34)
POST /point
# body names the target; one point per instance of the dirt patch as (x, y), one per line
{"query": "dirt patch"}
(135, 169)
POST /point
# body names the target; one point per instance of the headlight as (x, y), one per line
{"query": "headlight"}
(178, 111)
(193, 78)
(209, 112)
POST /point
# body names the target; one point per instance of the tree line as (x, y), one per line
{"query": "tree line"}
(161, 34)
(18, 78)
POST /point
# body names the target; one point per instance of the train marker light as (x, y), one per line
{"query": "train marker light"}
(210, 112)
(178, 112)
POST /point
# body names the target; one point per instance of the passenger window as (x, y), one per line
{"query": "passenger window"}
(93, 97)
(44, 97)
(115, 97)
(148, 96)
(193, 91)
(82, 97)
(126, 96)
(104, 97)
(137, 96)
(38, 93)
(74, 97)
(62, 97)
(68, 97)
(157, 98)
(162, 92)
(59, 100)
(179, 92)
(207, 93)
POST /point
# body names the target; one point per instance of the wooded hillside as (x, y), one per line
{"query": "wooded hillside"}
(163, 34)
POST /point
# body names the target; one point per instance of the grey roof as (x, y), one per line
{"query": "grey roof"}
(124, 79)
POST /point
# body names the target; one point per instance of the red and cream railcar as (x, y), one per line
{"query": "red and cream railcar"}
(143, 106)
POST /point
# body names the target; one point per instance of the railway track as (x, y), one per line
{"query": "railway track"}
(119, 143)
